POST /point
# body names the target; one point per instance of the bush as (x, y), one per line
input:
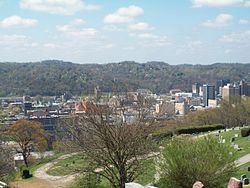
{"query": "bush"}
(245, 132)
(186, 160)
(199, 129)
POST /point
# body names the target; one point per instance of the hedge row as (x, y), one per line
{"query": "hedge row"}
(162, 136)
(198, 129)
(245, 132)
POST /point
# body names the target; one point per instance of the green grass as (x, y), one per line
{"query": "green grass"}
(44, 161)
(17, 174)
(243, 142)
(146, 177)
(242, 170)
(70, 165)
(148, 172)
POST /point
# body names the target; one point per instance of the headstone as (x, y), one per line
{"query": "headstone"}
(236, 135)
(234, 183)
(232, 139)
(198, 184)
(223, 141)
(237, 147)
(245, 181)
(243, 176)
(133, 185)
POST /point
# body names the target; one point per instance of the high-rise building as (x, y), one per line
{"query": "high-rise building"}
(230, 91)
(208, 93)
(220, 84)
(244, 88)
(196, 88)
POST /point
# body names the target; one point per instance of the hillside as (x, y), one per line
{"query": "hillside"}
(54, 77)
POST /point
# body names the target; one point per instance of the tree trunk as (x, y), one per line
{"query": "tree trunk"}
(123, 178)
(25, 159)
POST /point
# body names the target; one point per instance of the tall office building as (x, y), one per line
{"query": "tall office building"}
(196, 88)
(208, 93)
(244, 88)
(230, 91)
(220, 84)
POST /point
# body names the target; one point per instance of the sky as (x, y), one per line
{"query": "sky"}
(105, 31)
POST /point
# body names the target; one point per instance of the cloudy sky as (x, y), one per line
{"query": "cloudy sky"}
(103, 31)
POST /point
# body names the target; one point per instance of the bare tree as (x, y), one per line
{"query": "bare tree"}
(6, 159)
(115, 146)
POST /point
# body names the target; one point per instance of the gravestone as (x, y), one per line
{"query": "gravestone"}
(236, 135)
(245, 181)
(243, 176)
(232, 139)
(234, 183)
(237, 147)
(133, 185)
(198, 184)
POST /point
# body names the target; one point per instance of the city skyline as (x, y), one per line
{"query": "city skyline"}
(188, 31)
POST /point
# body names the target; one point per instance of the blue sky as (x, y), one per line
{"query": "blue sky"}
(98, 31)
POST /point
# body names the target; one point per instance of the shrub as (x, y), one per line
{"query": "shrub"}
(245, 132)
(198, 129)
(186, 160)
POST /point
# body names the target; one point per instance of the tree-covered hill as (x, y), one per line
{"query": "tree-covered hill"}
(54, 77)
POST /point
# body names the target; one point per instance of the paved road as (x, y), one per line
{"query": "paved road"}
(243, 160)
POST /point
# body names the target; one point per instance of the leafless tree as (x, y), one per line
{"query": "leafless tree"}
(6, 159)
(114, 145)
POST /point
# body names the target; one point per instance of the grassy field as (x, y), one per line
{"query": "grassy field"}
(146, 177)
(242, 170)
(44, 161)
(243, 142)
(70, 165)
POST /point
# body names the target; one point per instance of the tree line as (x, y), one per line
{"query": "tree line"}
(50, 78)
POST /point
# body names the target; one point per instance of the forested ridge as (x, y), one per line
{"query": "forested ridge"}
(54, 77)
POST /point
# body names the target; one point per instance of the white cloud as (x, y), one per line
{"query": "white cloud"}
(247, 4)
(124, 15)
(140, 26)
(75, 29)
(151, 40)
(112, 28)
(221, 20)
(62, 7)
(147, 36)
(51, 45)
(243, 22)
(237, 37)
(17, 21)
(12, 39)
(228, 51)
(109, 46)
(217, 3)
(130, 11)
(71, 26)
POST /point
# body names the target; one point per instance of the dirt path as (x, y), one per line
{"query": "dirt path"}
(32, 183)
(55, 181)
